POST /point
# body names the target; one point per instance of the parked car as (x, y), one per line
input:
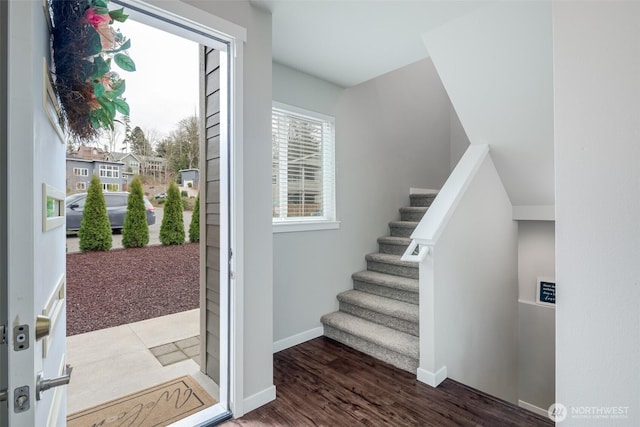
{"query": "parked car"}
(116, 208)
(160, 196)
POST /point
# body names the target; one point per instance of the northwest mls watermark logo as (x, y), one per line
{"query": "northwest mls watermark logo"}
(558, 412)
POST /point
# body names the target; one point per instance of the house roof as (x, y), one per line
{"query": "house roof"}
(75, 159)
(119, 156)
(188, 170)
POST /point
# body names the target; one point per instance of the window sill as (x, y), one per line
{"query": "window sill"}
(297, 226)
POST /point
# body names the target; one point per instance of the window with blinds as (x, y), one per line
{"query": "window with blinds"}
(303, 177)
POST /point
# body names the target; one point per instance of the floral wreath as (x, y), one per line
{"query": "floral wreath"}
(84, 45)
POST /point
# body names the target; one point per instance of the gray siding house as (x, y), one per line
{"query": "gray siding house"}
(190, 175)
(79, 173)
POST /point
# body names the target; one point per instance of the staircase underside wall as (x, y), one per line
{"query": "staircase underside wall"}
(475, 290)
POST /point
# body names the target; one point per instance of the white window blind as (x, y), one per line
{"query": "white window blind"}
(303, 170)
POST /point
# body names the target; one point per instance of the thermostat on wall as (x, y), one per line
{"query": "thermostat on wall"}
(546, 291)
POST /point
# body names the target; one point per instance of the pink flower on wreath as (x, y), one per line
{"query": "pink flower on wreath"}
(96, 19)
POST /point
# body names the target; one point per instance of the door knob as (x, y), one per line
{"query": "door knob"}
(43, 384)
(43, 326)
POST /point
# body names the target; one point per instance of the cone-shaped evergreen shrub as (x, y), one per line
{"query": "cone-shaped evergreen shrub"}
(95, 229)
(135, 232)
(172, 228)
(194, 227)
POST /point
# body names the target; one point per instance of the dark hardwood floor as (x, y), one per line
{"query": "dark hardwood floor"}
(324, 383)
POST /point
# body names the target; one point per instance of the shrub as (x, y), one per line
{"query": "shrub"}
(194, 227)
(187, 204)
(190, 184)
(184, 193)
(135, 232)
(172, 228)
(161, 201)
(95, 229)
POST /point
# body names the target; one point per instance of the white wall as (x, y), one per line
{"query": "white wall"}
(474, 279)
(496, 64)
(258, 270)
(597, 149)
(458, 138)
(392, 133)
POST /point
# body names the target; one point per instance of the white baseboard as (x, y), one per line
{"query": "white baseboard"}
(257, 400)
(533, 408)
(298, 339)
(430, 378)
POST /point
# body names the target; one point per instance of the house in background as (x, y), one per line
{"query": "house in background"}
(140, 164)
(87, 161)
(131, 161)
(190, 178)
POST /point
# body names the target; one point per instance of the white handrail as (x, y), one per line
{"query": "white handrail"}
(410, 255)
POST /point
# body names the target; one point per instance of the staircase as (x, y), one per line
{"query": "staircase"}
(379, 316)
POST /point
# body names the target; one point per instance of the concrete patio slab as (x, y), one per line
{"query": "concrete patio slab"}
(114, 362)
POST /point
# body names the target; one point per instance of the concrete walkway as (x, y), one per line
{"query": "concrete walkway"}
(73, 243)
(111, 363)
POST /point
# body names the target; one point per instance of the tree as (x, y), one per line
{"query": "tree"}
(181, 149)
(127, 133)
(139, 142)
(95, 229)
(194, 227)
(135, 232)
(172, 228)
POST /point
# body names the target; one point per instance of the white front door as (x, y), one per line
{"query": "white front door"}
(35, 258)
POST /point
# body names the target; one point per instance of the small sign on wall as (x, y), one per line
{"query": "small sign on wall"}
(546, 291)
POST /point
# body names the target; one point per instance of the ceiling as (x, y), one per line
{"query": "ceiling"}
(348, 42)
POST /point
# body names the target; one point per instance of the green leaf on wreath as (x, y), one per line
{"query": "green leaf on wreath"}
(100, 67)
(109, 108)
(99, 3)
(118, 15)
(93, 41)
(124, 62)
(126, 45)
(121, 106)
(98, 89)
(94, 120)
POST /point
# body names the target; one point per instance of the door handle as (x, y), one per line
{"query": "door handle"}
(43, 384)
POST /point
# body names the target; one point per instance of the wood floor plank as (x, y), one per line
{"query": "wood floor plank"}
(324, 383)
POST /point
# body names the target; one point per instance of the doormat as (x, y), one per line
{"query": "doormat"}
(156, 406)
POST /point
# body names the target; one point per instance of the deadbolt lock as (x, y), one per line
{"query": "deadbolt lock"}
(43, 327)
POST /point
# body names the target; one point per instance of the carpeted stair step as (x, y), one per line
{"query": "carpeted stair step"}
(393, 245)
(396, 348)
(398, 315)
(412, 213)
(423, 199)
(386, 285)
(391, 264)
(402, 228)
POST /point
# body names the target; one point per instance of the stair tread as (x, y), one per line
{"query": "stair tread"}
(387, 306)
(414, 209)
(425, 192)
(383, 336)
(405, 224)
(388, 280)
(390, 259)
(394, 240)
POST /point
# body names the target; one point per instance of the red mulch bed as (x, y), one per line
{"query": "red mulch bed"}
(121, 286)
